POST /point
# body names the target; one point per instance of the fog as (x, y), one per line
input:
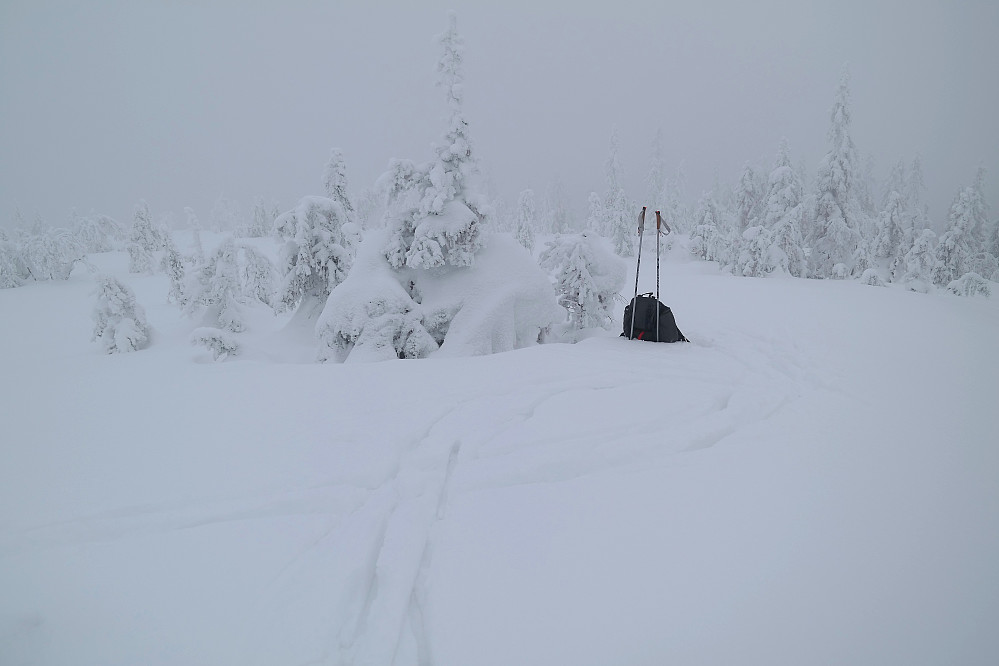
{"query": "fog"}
(106, 103)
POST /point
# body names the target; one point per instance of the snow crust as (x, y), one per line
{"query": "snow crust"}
(811, 480)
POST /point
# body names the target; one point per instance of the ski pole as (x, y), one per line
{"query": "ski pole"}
(638, 268)
(659, 224)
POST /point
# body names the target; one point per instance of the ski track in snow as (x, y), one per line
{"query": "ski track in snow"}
(379, 542)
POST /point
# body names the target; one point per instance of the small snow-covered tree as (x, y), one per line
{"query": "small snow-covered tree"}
(836, 225)
(13, 271)
(259, 224)
(217, 290)
(587, 276)
(142, 241)
(556, 211)
(617, 215)
(754, 251)
(888, 243)
(317, 253)
(119, 321)
(197, 249)
(173, 266)
(709, 239)
(526, 219)
(919, 262)
(50, 254)
(335, 184)
(221, 343)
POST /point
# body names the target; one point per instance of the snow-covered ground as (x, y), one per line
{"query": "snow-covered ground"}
(813, 480)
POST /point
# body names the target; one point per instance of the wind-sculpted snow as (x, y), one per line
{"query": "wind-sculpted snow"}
(811, 479)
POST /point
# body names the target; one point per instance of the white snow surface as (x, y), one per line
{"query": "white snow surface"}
(813, 480)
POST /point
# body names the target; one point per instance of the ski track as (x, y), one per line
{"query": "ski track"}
(378, 612)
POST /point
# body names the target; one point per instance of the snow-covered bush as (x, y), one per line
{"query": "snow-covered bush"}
(142, 241)
(119, 321)
(99, 233)
(754, 260)
(50, 254)
(872, 277)
(371, 317)
(587, 275)
(220, 343)
(13, 271)
(318, 250)
(970, 284)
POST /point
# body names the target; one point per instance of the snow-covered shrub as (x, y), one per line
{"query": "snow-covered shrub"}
(970, 284)
(587, 274)
(219, 342)
(119, 321)
(99, 233)
(371, 317)
(173, 266)
(872, 277)
(754, 256)
(317, 253)
(50, 254)
(13, 271)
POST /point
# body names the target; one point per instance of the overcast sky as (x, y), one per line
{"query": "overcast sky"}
(178, 102)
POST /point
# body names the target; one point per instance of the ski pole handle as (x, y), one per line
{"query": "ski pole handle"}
(641, 221)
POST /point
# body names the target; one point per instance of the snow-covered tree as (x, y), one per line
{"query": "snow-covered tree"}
(616, 209)
(970, 284)
(119, 321)
(556, 210)
(50, 254)
(965, 236)
(526, 219)
(335, 183)
(754, 251)
(919, 262)
(587, 275)
(656, 182)
(217, 291)
(13, 271)
(889, 241)
(783, 212)
(197, 249)
(260, 221)
(369, 201)
(98, 233)
(709, 238)
(436, 211)
(173, 266)
(142, 241)
(317, 253)
(750, 195)
(836, 225)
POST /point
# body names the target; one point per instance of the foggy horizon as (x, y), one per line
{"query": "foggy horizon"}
(180, 103)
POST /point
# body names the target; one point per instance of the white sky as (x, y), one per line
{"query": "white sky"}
(177, 102)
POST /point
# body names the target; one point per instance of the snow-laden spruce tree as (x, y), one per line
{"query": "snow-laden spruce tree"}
(176, 271)
(783, 213)
(335, 184)
(527, 219)
(435, 211)
(656, 182)
(961, 244)
(617, 224)
(556, 210)
(142, 241)
(588, 276)
(119, 321)
(260, 221)
(837, 221)
(919, 263)
(232, 277)
(754, 251)
(710, 238)
(750, 194)
(197, 256)
(50, 254)
(317, 253)
(889, 240)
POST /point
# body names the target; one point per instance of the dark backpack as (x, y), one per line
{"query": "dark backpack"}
(644, 308)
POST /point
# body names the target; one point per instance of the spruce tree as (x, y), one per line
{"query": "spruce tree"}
(526, 219)
(836, 225)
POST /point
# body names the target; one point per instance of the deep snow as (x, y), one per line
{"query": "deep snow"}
(814, 479)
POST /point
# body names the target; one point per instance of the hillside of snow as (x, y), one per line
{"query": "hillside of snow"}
(814, 479)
